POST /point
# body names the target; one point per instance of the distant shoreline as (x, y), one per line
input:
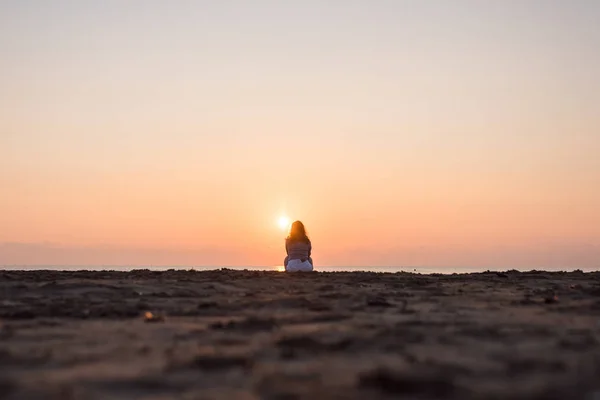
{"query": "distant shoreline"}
(376, 269)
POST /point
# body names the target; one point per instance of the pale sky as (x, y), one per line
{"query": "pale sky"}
(422, 133)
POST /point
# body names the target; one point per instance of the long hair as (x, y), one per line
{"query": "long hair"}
(298, 233)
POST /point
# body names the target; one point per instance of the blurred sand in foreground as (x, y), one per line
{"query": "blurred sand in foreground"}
(267, 335)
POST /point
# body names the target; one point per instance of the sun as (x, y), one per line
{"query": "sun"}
(283, 222)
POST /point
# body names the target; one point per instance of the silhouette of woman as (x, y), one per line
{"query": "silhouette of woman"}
(298, 248)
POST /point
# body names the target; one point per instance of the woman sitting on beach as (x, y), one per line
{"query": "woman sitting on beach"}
(298, 248)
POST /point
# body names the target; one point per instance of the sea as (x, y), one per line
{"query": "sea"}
(380, 269)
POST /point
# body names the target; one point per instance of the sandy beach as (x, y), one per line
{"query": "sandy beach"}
(267, 335)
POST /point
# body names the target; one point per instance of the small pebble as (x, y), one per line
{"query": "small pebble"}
(551, 300)
(149, 317)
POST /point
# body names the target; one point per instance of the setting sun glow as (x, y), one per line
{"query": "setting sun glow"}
(283, 222)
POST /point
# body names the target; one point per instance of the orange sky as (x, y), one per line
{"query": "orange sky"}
(401, 134)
